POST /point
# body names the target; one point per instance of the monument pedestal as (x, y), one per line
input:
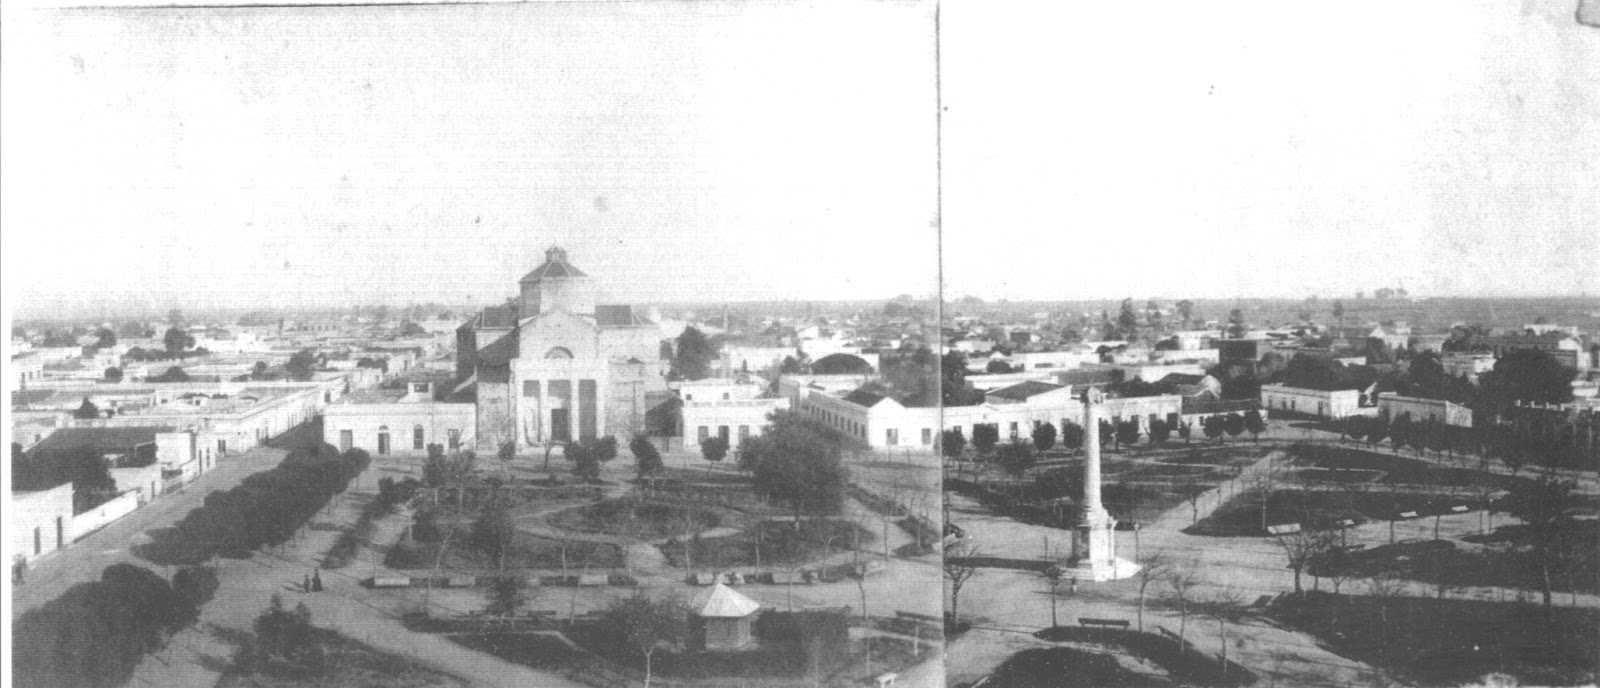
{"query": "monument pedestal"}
(1094, 551)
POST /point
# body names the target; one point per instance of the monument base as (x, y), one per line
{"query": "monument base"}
(1101, 571)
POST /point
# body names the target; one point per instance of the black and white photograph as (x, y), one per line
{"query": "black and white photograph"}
(773, 343)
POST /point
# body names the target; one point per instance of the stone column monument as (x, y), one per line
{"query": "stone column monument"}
(1094, 544)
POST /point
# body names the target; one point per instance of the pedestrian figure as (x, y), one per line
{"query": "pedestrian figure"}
(306, 587)
(19, 571)
(316, 581)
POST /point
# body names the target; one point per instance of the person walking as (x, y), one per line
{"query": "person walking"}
(306, 586)
(316, 580)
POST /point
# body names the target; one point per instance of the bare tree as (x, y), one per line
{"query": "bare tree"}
(1223, 605)
(1153, 567)
(1385, 586)
(1304, 545)
(1182, 578)
(959, 567)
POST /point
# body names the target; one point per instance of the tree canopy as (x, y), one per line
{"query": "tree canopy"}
(177, 340)
(693, 355)
(797, 461)
(1524, 375)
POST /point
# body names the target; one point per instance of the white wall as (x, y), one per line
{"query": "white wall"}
(96, 518)
(364, 422)
(40, 511)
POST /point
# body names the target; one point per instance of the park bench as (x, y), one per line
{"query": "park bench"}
(703, 579)
(787, 577)
(1408, 514)
(1459, 508)
(1284, 529)
(1104, 623)
(388, 582)
(886, 680)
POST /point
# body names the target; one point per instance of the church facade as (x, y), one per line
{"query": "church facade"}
(561, 362)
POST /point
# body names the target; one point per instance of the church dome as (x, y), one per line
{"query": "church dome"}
(555, 266)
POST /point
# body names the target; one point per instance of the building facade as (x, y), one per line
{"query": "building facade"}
(559, 364)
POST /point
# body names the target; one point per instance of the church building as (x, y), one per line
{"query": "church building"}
(561, 362)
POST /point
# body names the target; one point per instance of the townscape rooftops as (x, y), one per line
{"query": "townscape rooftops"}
(1103, 376)
(25, 397)
(1181, 379)
(98, 439)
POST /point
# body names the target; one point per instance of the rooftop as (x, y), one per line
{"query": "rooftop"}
(555, 266)
(1023, 390)
(722, 602)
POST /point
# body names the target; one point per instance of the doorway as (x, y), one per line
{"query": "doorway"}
(560, 425)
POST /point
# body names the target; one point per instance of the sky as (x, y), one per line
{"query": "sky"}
(201, 158)
(298, 157)
(1270, 149)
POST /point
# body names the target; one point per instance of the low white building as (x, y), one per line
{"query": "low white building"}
(1391, 406)
(735, 419)
(389, 424)
(875, 420)
(1467, 365)
(1336, 403)
(40, 522)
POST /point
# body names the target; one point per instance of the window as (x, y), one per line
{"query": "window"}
(724, 396)
(455, 438)
(383, 439)
(418, 437)
(530, 388)
(744, 432)
(37, 544)
(705, 433)
(347, 439)
(927, 436)
(1013, 429)
(892, 437)
(222, 447)
(688, 397)
(722, 431)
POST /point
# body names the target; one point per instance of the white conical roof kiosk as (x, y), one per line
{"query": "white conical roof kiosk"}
(725, 616)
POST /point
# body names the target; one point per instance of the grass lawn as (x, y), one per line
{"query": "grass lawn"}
(1396, 470)
(1450, 642)
(537, 650)
(780, 542)
(348, 663)
(1440, 561)
(1065, 667)
(645, 520)
(1240, 515)
(527, 552)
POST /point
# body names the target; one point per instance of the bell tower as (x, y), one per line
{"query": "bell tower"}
(556, 284)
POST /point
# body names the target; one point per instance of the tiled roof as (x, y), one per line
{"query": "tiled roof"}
(555, 266)
(862, 397)
(1023, 390)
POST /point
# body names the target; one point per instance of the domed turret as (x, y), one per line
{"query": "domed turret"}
(556, 284)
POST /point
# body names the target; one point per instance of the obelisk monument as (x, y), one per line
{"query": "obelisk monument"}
(1094, 544)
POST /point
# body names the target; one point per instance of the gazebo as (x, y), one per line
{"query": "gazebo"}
(720, 618)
